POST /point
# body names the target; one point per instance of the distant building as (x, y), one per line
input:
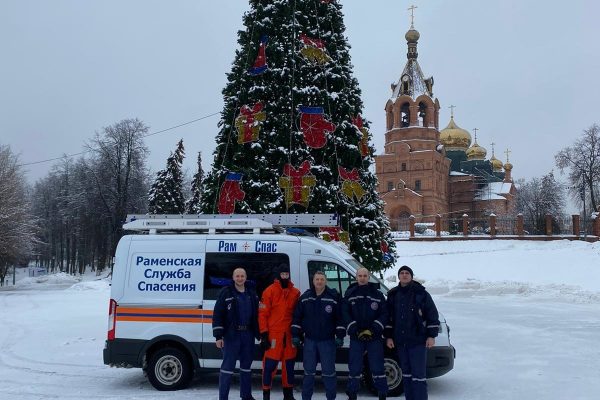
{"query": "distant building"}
(424, 171)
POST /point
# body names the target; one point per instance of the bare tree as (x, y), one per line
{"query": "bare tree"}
(119, 172)
(17, 228)
(82, 204)
(537, 198)
(582, 161)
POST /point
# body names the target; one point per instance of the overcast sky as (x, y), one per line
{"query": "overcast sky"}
(524, 72)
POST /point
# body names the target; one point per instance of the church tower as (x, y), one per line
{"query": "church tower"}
(413, 171)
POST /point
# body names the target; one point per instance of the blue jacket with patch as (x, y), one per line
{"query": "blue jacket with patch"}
(225, 315)
(413, 315)
(364, 307)
(318, 317)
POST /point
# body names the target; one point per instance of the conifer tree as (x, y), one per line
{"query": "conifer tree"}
(192, 206)
(291, 137)
(165, 196)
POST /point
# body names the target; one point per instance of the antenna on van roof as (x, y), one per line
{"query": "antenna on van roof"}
(213, 223)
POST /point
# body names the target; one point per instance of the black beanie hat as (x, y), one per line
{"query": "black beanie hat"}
(406, 268)
(283, 267)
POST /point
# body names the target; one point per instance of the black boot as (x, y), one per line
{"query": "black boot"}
(266, 394)
(288, 393)
(382, 397)
(351, 396)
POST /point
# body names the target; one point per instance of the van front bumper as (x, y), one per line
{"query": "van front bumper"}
(440, 360)
(123, 353)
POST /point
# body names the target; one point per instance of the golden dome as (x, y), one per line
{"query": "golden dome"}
(455, 138)
(412, 35)
(496, 164)
(476, 152)
(508, 166)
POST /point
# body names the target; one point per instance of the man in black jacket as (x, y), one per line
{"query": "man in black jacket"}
(318, 319)
(235, 326)
(414, 324)
(365, 316)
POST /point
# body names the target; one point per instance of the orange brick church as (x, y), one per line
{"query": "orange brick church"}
(424, 171)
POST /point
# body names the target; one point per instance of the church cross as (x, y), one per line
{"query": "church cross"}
(452, 110)
(412, 15)
(507, 152)
(493, 144)
(475, 130)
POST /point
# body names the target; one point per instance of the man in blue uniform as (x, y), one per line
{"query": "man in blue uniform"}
(414, 324)
(365, 316)
(235, 326)
(318, 320)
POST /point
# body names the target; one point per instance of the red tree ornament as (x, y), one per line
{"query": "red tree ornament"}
(351, 185)
(230, 193)
(260, 64)
(248, 123)
(314, 126)
(364, 141)
(334, 233)
(313, 50)
(297, 184)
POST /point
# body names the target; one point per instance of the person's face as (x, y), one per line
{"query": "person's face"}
(284, 275)
(362, 277)
(239, 276)
(404, 277)
(319, 281)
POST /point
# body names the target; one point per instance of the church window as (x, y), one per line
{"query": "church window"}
(403, 167)
(418, 185)
(404, 115)
(422, 114)
(390, 186)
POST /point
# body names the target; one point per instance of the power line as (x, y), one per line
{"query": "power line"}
(147, 135)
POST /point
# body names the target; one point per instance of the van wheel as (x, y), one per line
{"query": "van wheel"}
(169, 369)
(393, 374)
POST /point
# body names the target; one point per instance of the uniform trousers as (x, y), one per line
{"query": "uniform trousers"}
(237, 346)
(374, 349)
(413, 361)
(316, 351)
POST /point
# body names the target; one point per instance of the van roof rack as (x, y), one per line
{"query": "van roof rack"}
(213, 223)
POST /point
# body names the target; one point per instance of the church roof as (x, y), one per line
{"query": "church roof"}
(417, 86)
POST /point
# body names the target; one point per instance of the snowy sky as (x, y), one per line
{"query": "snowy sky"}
(523, 72)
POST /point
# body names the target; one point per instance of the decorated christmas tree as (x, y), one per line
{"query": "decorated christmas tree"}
(292, 138)
(165, 196)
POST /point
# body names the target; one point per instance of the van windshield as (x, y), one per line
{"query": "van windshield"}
(372, 278)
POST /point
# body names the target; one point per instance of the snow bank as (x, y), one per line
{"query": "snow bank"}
(98, 285)
(560, 270)
(60, 278)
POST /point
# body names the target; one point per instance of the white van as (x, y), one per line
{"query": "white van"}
(165, 284)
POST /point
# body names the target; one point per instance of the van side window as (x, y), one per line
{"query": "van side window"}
(337, 277)
(259, 267)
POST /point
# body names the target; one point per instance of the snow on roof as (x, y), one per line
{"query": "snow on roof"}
(500, 187)
(456, 173)
(486, 196)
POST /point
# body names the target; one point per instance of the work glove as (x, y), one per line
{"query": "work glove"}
(296, 342)
(264, 341)
(365, 335)
(339, 342)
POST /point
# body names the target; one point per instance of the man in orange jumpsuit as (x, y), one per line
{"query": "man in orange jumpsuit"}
(275, 313)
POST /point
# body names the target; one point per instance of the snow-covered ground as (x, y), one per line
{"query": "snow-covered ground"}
(524, 318)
